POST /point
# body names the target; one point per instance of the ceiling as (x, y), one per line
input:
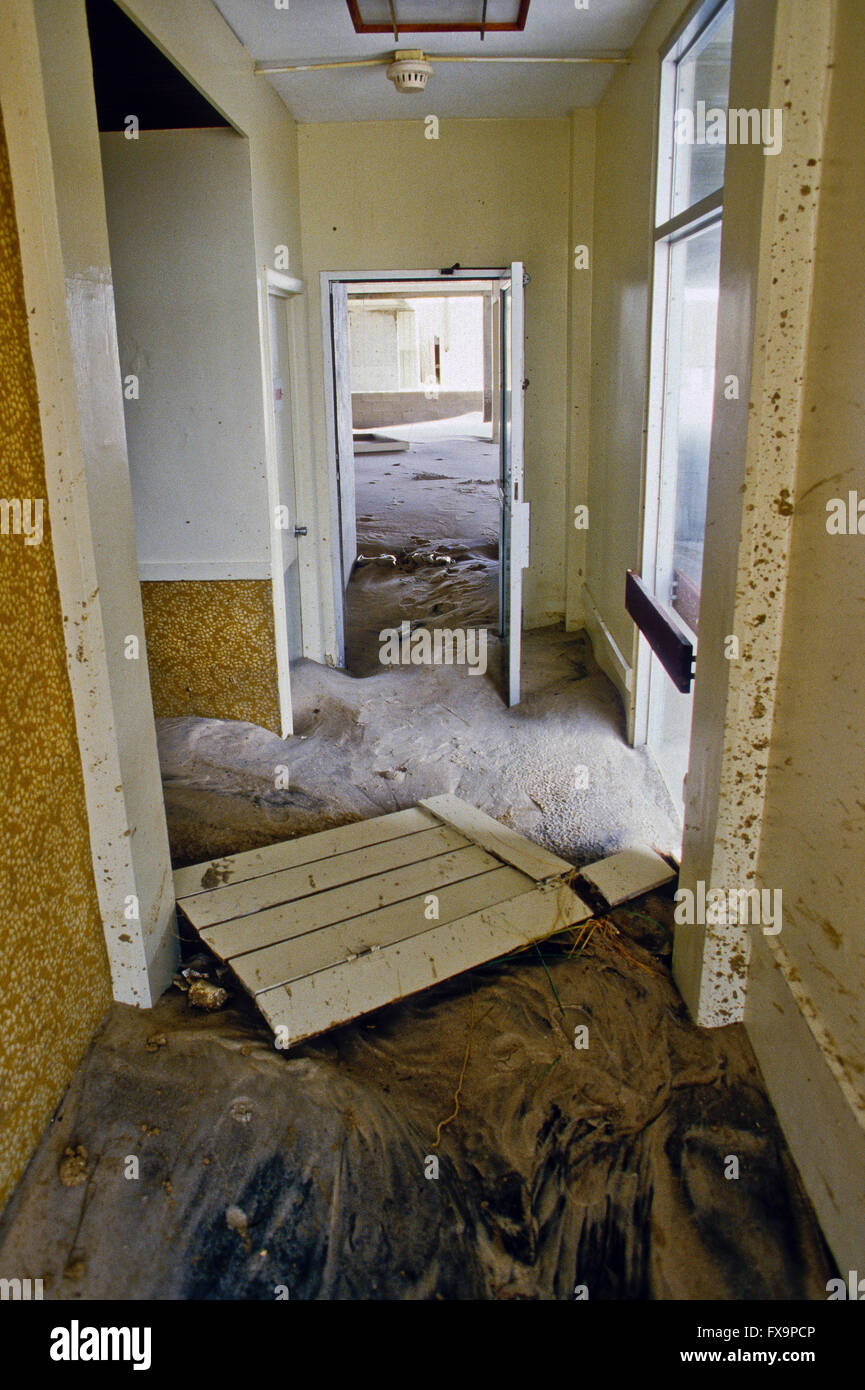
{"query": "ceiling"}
(322, 30)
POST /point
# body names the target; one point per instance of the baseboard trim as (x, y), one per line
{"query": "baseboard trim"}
(607, 652)
(204, 569)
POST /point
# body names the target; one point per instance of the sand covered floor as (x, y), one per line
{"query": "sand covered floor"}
(441, 496)
(556, 767)
(442, 490)
(316, 1174)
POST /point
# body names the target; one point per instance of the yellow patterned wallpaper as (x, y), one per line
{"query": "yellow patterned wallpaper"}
(211, 649)
(54, 979)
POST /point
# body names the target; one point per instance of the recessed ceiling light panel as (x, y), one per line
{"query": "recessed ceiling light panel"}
(438, 16)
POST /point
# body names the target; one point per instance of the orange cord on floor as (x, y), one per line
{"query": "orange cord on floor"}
(441, 1124)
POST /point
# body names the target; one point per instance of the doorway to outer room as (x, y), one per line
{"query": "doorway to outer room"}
(426, 466)
(427, 435)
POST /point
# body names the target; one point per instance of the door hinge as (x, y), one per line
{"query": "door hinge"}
(527, 279)
(526, 384)
(300, 530)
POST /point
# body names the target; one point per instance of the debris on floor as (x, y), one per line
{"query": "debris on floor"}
(384, 559)
(590, 1145)
(72, 1169)
(200, 980)
(327, 927)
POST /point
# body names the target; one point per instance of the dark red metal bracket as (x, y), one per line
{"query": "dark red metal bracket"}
(664, 636)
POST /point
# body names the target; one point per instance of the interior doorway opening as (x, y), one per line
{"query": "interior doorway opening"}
(426, 436)
(426, 462)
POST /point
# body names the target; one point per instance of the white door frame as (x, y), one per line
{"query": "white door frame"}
(329, 277)
(514, 549)
(75, 357)
(275, 283)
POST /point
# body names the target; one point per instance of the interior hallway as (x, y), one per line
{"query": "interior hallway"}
(168, 394)
(600, 1167)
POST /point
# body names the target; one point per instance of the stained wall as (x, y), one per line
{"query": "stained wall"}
(380, 196)
(210, 646)
(54, 977)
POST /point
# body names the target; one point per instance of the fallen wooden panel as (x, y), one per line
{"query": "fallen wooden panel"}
(290, 960)
(326, 927)
(329, 997)
(628, 874)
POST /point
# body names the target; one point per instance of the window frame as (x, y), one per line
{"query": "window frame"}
(667, 229)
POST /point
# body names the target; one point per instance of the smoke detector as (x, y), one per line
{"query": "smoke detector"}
(409, 70)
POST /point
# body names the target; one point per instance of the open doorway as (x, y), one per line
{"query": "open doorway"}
(426, 464)
(427, 440)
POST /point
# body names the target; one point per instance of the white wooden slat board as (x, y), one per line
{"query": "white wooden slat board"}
(242, 935)
(288, 854)
(253, 895)
(326, 927)
(334, 996)
(531, 859)
(628, 874)
(290, 960)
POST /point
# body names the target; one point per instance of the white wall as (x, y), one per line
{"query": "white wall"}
(807, 986)
(459, 326)
(374, 340)
(199, 42)
(187, 320)
(392, 343)
(579, 355)
(379, 196)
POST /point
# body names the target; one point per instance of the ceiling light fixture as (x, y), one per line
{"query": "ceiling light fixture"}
(409, 70)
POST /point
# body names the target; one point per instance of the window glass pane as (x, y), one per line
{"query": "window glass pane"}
(669, 734)
(699, 130)
(692, 314)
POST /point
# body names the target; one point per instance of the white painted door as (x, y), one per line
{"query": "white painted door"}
(343, 427)
(284, 446)
(514, 549)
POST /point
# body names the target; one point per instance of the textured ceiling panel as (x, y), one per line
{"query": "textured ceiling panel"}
(322, 30)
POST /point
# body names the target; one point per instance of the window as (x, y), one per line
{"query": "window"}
(695, 77)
